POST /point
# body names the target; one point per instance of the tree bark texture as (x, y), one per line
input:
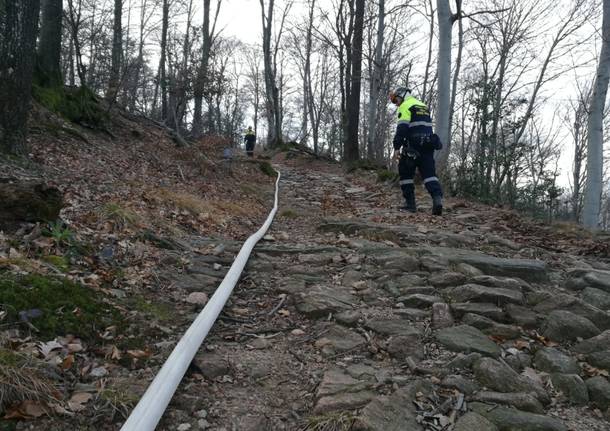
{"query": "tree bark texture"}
(595, 159)
(117, 52)
(445, 25)
(49, 47)
(351, 149)
(376, 85)
(18, 31)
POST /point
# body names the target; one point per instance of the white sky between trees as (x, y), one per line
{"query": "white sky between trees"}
(242, 19)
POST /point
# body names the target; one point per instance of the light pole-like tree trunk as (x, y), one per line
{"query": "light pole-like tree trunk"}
(593, 191)
(18, 31)
(376, 84)
(163, 60)
(443, 109)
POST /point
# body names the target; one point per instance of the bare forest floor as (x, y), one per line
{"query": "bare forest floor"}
(350, 315)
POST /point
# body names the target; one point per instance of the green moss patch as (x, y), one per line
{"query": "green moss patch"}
(59, 262)
(78, 105)
(158, 310)
(54, 306)
(267, 169)
(289, 213)
(384, 175)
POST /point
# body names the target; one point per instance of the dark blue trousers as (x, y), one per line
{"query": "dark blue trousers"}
(427, 169)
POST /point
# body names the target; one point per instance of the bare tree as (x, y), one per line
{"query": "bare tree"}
(270, 52)
(595, 156)
(353, 83)
(117, 52)
(208, 33)
(375, 86)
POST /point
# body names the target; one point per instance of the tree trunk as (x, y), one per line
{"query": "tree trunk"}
(351, 150)
(117, 52)
(376, 84)
(307, 90)
(271, 90)
(162, 60)
(445, 26)
(18, 31)
(200, 82)
(595, 155)
(49, 47)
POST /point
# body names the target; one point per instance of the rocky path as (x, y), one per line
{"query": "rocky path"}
(353, 316)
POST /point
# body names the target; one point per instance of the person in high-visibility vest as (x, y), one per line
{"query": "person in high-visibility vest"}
(250, 140)
(414, 146)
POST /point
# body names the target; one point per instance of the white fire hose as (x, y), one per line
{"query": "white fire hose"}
(151, 407)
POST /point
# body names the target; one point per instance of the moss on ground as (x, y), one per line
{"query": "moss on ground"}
(64, 307)
(59, 262)
(267, 169)
(289, 214)
(384, 175)
(159, 310)
(117, 213)
(78, 105)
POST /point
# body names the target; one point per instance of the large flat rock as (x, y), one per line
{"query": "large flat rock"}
(319, 301)
(340, 391)
(483, 309)
(478, 293)
(392, 327)
(509, 419)
(339, 339)
(525, 269)
(393, 413)
(467, 339)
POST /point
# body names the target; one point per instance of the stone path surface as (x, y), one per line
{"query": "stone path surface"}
(353, 316)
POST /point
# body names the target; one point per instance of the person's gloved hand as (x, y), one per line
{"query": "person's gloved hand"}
(396, 155)
(435, 142)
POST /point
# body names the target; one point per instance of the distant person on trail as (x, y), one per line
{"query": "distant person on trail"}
(250, 140)
(414, 146)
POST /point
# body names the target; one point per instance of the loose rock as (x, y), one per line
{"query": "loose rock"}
(472, 421)
(520, 400)
(441, 315)
(502, 378)
(563, 325)
(599, 391)
(508, 419)
(553, 361)
(572, 386)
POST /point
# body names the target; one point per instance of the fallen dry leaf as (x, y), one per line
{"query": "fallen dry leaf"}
(27, 409)
(139, 354)
(78, 400)
(67, 363)
(47, 348)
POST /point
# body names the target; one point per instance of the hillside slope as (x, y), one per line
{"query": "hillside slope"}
(351, 315)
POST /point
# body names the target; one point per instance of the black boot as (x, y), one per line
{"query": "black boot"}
(437, 205)
(409, 203)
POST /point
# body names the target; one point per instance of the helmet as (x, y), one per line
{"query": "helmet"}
(401, 92)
